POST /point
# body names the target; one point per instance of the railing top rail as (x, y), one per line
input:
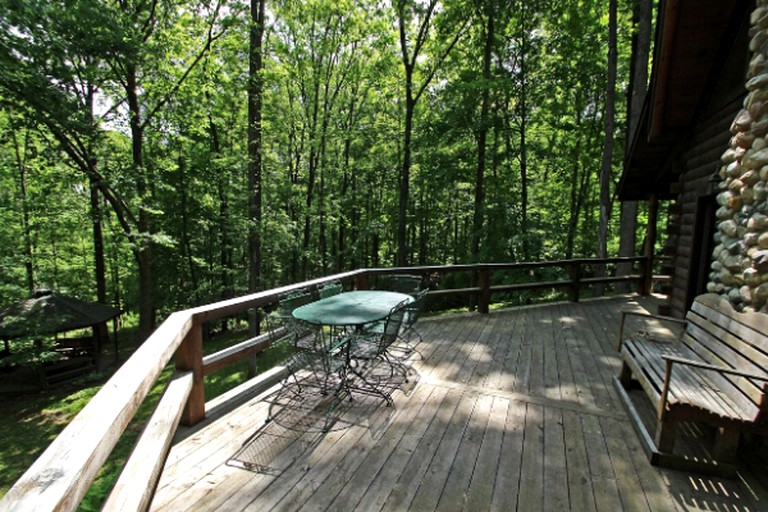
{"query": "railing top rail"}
(501, 266)
(238, 304)
(60, 477)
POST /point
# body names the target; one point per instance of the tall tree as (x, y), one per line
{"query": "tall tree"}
(638, 84)
(21, 152)
(255, 89)
(55, 74)
(413, 15)
(525, 36)
(609, 121)
(56, 66)
(482, 133)
(144, 25)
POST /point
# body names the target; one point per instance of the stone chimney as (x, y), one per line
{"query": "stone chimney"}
(740, 259)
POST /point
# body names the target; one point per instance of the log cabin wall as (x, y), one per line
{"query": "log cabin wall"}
(697, 87)
(691, 224)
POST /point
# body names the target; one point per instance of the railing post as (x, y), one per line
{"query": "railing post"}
(189, 357)
(574, 270)
(362, 282)
(484, 299)
(650, 242)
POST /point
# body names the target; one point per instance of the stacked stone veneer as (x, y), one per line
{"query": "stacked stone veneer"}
(740, 259)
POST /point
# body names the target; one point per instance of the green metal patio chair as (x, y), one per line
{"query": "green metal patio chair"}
(303, 345)
(367, 347)
(403, 283)
(330, 289)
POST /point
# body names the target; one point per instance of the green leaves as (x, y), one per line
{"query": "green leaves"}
(333, 123)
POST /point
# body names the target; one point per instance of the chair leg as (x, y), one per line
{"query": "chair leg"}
(393, 362)
(370, 387)
(410, 347)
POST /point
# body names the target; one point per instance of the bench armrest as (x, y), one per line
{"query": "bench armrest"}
(670, 360)
(719, 369)
(625, 313)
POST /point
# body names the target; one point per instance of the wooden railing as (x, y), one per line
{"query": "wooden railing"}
(60, 477)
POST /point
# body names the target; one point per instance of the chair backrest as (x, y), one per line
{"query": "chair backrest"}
(303, 334)
(291, 301)
(413, 309)
(392, 325)
(330, 289)
(403, 283)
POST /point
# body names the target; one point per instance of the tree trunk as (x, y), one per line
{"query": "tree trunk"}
(405, 177)
(638, 84)
(144, 250)
(482, 136)
(255, 84)
(638, 81)
(345, 214)
(225, 245)
(523, 113)
(21, 166)
(186, 239)
(100, 267)
(605, 169)
(573, 218)
(524, 174)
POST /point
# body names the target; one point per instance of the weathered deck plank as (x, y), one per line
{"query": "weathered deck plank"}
(509, 411)
(580, 490)
(402, 458)
(407, 485)
(507, 485)
(480, 490)
(433, 481)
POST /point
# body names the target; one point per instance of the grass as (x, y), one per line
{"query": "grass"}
(31, 420)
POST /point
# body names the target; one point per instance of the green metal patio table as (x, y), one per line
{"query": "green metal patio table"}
(353, 309)
(350, 309)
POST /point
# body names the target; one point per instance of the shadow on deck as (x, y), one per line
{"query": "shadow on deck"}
(514, 410)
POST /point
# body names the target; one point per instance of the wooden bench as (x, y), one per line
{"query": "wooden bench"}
(714, 373)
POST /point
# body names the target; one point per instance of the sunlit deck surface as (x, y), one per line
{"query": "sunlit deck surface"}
(514, 410)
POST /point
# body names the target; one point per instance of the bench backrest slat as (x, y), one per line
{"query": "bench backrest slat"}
(726, 348)
(724, 337)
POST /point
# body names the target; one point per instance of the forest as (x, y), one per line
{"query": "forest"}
(161, 154)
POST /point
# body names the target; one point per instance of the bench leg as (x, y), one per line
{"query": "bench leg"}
(726, 444)
(625, 377)
(665, 435)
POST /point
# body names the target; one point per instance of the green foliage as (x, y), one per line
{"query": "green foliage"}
(332, 150)
(32, 351)
(332, 111)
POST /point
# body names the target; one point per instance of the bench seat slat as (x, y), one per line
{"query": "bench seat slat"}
(688, 387)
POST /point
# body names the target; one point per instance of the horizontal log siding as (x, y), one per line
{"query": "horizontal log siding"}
(700, 159)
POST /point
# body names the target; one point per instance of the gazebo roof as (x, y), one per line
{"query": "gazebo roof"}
(47, 312)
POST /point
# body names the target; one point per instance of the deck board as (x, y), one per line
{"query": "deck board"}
(513, 410)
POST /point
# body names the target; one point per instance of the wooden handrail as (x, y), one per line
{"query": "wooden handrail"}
(60, 477)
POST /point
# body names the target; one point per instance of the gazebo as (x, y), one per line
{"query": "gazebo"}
(47, 313)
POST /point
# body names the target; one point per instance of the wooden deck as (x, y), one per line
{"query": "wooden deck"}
(514, 410)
